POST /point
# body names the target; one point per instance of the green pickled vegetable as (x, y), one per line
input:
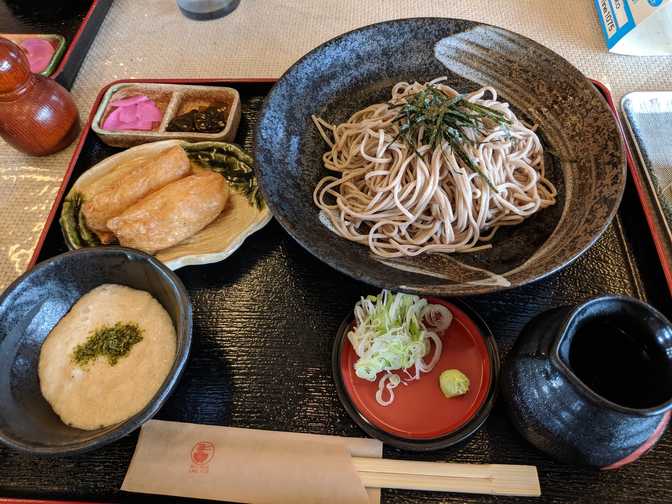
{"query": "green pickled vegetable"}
(231, 162)
(201, 120)
(90, 239)
(73, 222)
(453, 383)
(68, 222)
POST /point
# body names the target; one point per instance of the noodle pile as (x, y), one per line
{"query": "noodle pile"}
(405, 200)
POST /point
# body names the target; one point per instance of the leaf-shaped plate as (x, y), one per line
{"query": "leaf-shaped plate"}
(244, 214)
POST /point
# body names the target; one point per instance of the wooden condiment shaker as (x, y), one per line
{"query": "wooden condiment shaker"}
(37, 115)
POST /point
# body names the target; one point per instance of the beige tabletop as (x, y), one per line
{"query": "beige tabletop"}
(150, 38)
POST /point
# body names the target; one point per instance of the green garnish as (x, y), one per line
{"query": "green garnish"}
(231, 162)
(389, 334)
(453, 383)
(433, 117)
(73, 222)
(111, 342)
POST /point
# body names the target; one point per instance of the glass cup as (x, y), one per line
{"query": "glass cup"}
(203, 10)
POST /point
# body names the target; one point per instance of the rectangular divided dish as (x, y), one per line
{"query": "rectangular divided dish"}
(264, 324)
(172, 100)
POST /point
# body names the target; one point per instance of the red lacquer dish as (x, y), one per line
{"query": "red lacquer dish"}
(421, 417)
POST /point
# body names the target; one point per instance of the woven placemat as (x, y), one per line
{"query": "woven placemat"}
(261, 39)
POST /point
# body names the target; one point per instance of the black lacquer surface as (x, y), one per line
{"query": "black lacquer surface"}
(40, 16)
(63, 17)
(264, 323)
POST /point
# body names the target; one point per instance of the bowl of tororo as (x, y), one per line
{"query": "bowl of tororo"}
(92, 343)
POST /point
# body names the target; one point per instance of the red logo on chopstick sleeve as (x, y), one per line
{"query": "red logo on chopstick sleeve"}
(201, 455)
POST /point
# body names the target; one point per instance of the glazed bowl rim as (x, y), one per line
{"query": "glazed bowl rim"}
(584, 389)
(183, 327)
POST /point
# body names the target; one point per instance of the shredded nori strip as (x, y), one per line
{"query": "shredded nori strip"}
(435, 118)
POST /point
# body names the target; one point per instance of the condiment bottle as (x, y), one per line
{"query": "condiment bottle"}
(37, 115)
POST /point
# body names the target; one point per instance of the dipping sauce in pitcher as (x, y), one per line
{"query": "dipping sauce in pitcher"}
(592, 384)
(620, 366)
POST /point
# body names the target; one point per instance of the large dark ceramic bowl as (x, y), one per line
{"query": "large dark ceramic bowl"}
(34, 304)
(359, 68)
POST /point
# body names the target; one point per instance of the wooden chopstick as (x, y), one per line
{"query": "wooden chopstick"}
(491, 479)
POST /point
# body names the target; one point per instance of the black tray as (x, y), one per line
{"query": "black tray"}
(76, 20)
(264, 322)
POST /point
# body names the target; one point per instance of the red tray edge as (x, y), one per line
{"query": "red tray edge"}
(75, 39)
(647, 207)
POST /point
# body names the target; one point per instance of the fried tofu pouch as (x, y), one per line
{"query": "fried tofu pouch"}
(173, 213)
(169, 166)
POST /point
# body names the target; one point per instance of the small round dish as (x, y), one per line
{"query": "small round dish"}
(421, 418)
(35, 303)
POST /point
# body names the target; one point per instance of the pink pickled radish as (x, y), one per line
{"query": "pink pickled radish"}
(39, 52)
(128, 114)
(127, 102)
(133, 113)
(149, 112)
(113, 122)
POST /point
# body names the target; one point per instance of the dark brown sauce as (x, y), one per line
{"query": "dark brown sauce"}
(619, 366)
(201, 120)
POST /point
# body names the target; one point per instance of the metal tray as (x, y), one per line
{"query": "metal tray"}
(264, 323)
(648, 116)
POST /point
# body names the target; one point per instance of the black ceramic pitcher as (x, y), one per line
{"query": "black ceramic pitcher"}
(592, 384)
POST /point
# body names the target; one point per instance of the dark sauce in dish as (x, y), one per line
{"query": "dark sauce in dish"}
(203, 120)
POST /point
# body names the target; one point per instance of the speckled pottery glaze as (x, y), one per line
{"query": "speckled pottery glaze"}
(561, 415)
(359, 68)
(33, 305)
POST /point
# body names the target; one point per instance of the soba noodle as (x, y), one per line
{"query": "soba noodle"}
(404, 201)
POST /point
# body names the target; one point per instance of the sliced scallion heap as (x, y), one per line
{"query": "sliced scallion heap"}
(392, 333)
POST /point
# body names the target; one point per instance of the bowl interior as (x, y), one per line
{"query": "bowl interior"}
(348, 73)
(34, 304)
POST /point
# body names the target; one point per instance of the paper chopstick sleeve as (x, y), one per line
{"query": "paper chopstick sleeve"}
(245, 465)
